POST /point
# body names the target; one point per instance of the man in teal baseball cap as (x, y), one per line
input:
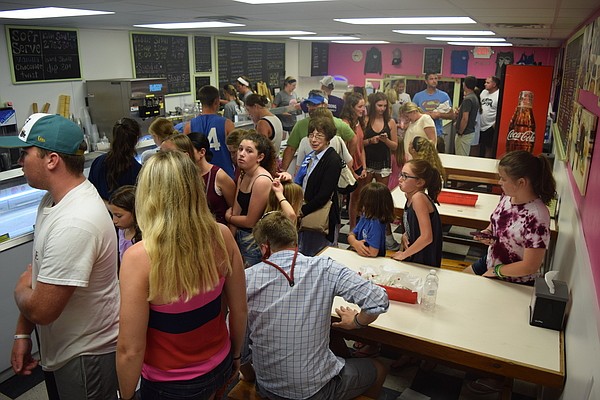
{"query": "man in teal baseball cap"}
(70, 290)
(47, 131)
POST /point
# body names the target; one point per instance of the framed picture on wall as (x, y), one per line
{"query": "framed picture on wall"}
(432, 59)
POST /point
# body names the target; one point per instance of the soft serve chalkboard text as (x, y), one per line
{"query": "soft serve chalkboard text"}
(43, 54)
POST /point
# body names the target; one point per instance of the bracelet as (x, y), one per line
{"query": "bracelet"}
(358, 324)
(237, 358)
(497, 271)
(282, 200)
(22, 336)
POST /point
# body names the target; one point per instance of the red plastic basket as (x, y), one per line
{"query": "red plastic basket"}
(462, 199)
(398, 294)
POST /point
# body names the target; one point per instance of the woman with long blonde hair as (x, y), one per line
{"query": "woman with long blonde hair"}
(420, 124)
(175, 284)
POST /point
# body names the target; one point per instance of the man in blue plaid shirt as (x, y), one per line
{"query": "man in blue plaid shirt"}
(289, 319)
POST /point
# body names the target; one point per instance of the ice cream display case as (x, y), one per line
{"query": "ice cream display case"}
(19, 203)
(18, 206)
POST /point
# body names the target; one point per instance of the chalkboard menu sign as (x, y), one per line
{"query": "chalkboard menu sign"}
(201, 81)
(43, 54)
(259, 61)
(568, 91)
(432, 60)
(203, 53)
(319, 64)
(162, 56)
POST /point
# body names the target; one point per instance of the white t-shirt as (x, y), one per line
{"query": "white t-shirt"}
(277, 131)
(415, 129)
(75, 245)
(489, 106)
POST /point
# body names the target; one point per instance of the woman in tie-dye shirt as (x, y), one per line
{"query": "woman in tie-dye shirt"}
(519, 232)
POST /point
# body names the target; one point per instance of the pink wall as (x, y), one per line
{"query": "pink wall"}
(589, 206)
(341, 63)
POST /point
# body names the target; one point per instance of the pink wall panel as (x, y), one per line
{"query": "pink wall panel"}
(341, 63)
(589, 205)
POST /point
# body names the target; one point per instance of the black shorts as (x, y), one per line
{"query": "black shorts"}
(486, 138)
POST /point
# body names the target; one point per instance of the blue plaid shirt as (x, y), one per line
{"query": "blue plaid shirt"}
(289, 326)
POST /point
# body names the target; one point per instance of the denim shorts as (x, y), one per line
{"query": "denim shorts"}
(480, 266)
(200, 388)
(248, 248)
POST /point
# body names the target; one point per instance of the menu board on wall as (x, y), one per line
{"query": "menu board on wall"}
(38, 55)
(162, 56)
(568, 91)
(432, 60)
(319, 64)
(203, 53)
(259, 61)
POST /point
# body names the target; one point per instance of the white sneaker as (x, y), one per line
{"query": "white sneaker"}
(391, 244)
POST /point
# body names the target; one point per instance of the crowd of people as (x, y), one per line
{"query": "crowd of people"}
(214, 263)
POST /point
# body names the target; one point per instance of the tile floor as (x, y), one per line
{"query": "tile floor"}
(410, 382)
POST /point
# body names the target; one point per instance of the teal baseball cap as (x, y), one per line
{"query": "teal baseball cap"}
(47, 131)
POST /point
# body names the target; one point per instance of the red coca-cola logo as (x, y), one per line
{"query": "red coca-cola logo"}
(527, 136)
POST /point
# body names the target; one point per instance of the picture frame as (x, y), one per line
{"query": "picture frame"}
(432, 59)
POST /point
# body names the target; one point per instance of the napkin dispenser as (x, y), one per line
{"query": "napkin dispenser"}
(548, 304)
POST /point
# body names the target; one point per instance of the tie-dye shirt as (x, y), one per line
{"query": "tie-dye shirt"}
(518, 227)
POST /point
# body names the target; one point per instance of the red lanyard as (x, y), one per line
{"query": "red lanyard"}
(290, 277)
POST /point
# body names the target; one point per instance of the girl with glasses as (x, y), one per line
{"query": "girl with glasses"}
(422, 238)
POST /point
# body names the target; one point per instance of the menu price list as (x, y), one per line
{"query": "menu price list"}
(259, 61)
(163, 56)
(43, 54)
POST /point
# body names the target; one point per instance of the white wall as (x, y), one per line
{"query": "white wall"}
(582, 333)
(104, 54)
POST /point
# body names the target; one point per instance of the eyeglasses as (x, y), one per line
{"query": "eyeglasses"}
(317, 135)
(404, 175)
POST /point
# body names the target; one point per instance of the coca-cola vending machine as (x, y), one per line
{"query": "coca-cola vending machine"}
(523, 107)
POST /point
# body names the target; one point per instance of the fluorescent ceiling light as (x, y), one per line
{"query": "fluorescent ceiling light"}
(360, 41)
(480, 44)
(190, 25)
(276, 1)
(329, 38)
(407, 21)
(49, 12)
(272, 33)
(441, 32)
(464, 39)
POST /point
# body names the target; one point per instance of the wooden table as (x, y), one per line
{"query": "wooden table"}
(478, 323)
(470, 169)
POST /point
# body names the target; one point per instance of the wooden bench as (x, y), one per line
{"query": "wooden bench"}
(246, 391)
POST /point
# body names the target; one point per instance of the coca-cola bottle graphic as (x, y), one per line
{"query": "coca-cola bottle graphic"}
(521, 130)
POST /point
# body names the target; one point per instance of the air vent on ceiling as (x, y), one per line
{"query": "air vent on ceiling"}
(510, 25)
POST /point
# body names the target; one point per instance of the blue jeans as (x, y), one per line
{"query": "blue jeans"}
(248, 247)
(480, 266)
(200, 388)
